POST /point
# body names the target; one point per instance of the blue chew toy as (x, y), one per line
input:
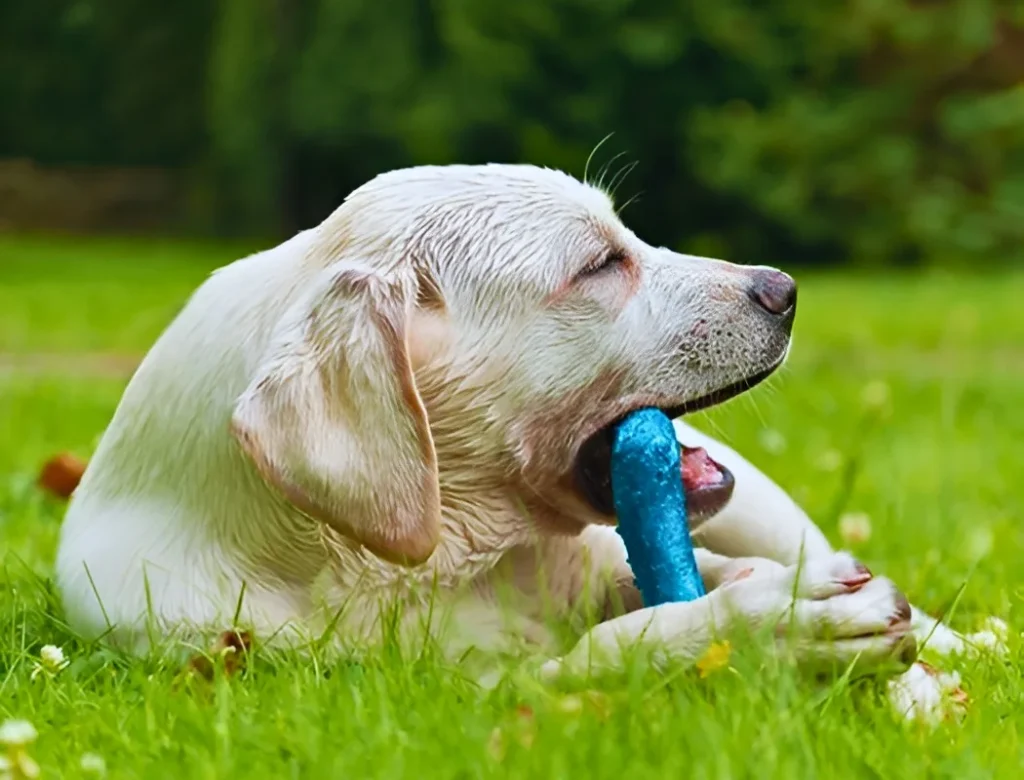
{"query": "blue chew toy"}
(650, 503)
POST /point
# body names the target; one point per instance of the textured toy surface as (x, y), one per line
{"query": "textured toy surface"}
(651, 506)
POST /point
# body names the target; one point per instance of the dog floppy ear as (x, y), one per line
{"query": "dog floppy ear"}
(333, 418)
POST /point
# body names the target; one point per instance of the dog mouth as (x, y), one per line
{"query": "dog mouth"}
(707, 484)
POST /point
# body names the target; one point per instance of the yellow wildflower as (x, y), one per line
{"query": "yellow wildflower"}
(716, 657)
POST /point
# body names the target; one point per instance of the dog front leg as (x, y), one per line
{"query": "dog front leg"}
(840, 616)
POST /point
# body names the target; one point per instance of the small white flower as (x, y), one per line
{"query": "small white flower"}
(991, 639)
(927, 695)
(855, 528)
(875, 395)
(996, 626)
(17, 733)
(772, 441)
(979, 543)
(51, 661)
(53, 656)
(830, 460)
(987, 642)
(93, 764)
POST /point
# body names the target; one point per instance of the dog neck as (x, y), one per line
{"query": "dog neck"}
(474, 537)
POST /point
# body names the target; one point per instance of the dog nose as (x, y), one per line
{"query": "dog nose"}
(773, 290)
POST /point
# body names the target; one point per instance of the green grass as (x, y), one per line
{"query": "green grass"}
(938, 470)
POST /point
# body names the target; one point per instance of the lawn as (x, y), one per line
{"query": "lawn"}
(902, 400)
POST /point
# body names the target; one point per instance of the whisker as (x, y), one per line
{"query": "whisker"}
(590, 157)
(634, 198)
(620, 177)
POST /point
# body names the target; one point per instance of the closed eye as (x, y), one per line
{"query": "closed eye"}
(609, 261)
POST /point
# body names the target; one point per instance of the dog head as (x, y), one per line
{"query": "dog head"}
(477, 330)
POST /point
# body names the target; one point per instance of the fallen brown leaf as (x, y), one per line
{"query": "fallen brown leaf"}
(61, 474)
(229, 652)
(522, 730)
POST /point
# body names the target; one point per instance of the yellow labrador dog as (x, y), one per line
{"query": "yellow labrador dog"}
(409, 404)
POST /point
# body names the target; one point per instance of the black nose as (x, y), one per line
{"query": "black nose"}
(773, 290)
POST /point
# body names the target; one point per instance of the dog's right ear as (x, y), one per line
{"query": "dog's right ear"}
(333, 418)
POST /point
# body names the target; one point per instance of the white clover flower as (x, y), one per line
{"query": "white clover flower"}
(772, 441)
(928, 695)
(51, 661)
(855, 528)
(830, 460)
(17, 733)
(93, 764)
(979, 543)
(987, 642)
(997, 627)
(875, 396)
(992, 638)
(53, 656)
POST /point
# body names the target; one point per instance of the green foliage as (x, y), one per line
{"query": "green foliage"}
(244, 111)
(874, 131)
(113, 82)
(894, 128)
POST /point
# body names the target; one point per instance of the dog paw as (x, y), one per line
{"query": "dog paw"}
(927, 695)
(870, 625)
(833, 575)
(842, 615)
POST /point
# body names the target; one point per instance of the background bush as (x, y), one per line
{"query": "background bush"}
(870, 131)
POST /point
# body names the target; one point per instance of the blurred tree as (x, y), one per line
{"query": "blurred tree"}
(891, 128)
(874, 131)
(246, 105)
(113, 82)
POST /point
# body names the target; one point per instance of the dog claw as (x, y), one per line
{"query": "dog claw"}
(902, 614)
(907, 650)
(861, 576)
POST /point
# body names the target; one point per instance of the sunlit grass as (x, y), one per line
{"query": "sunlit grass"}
(937, 471)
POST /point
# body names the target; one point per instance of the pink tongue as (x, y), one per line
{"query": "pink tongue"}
(699, 471)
